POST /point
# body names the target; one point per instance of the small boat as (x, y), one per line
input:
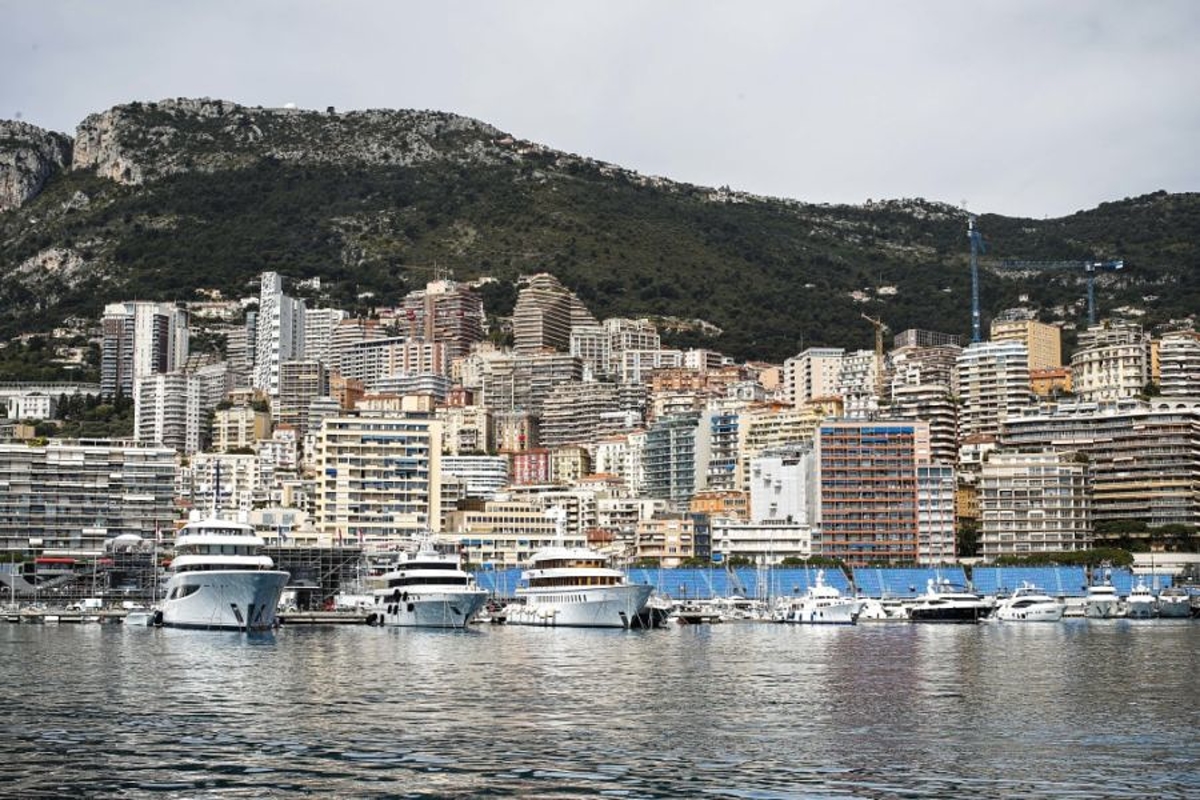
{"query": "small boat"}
(1141, 603)
(428, 589)
(944, 602)
(887, 609)
(820, 605)
(1101, 602)
(1174, 602)
(139, 617)
(1029, 604)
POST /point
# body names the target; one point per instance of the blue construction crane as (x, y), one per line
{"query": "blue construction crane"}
(977, 247)
(1090, 268)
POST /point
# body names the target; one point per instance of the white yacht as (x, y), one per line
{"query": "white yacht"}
(220, 579)
(1029, 604)
(820, 605)
(1101, 602)
(1174, 602)
(1141, 603)
(885, 609)
(428, 589)
(575, 586)
(943, 602)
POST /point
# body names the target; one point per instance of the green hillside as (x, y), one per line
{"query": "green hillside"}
(774, 275)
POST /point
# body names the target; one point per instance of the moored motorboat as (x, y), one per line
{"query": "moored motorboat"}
(1141, 603)
(1029, 604)
(820, 605)
(1101, 601)
(943, 602)
(1174, 602)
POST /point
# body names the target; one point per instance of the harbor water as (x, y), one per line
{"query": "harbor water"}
(1080, 709)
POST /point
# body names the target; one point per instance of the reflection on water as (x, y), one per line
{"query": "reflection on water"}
(1081, 709)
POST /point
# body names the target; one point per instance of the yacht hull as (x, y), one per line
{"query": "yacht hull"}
(243, 600)
(1101, 609)
(962, 614)
(1046, 613)
(1174, 609)
(1140, 610)
(834, 614)
(449, 609)
(580, 607)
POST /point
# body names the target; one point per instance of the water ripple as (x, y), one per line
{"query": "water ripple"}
(739, 711)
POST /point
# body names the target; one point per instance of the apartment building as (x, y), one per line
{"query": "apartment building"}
(78, 494)
(1033, 502)
(869, 490)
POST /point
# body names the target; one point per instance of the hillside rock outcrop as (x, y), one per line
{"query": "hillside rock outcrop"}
(139, 142)
(29, 156)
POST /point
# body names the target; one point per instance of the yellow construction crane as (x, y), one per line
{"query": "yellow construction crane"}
(880, 327)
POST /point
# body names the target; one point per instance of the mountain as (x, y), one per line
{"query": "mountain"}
(157, 200)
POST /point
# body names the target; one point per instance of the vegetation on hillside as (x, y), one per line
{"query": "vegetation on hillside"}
(775, 276)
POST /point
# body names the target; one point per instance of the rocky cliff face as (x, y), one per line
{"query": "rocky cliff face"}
(28, 157)
(138, 142)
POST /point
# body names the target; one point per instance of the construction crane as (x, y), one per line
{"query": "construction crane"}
(977, 247)
(1090, 268)
(880, 327)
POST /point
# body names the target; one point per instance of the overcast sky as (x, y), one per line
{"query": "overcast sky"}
(1023, 108)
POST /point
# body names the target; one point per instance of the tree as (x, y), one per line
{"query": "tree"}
(968, 539)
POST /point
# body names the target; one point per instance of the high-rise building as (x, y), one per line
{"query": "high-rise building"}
(76, 495)
(1042, 341)
(937, 496)
(1112, 362)
(371, 360)
(319, 325)
(300, 382)
(772, 427)
(446, 312)
(140, 339)
(166, 411)
(545, 313)
(993, 384)
(1179, 364)
(1144, 456)
(347, 334)
(784, 485)
(628, 334)
(914, 337)
(858, 384)
(869, 490)
(279, 333)
(523, 382)
(813, 374)
(670, 459)
(932, 404)
(239, 427)
(1034, 502)
(379, 476)
(582, 413)
(717, 447)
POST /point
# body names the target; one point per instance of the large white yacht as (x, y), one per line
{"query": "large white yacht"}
(220, 579)
(1141, 603)
(1101, 601)
(1029, 604)
(428, 589)
(1174, 602)
(943, 602)
(575, 586)
(820, 605)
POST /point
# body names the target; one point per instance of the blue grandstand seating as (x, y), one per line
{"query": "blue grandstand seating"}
(1056, 581)
(903, 581)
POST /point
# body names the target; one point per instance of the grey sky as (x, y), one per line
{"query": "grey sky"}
(1030, 108)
